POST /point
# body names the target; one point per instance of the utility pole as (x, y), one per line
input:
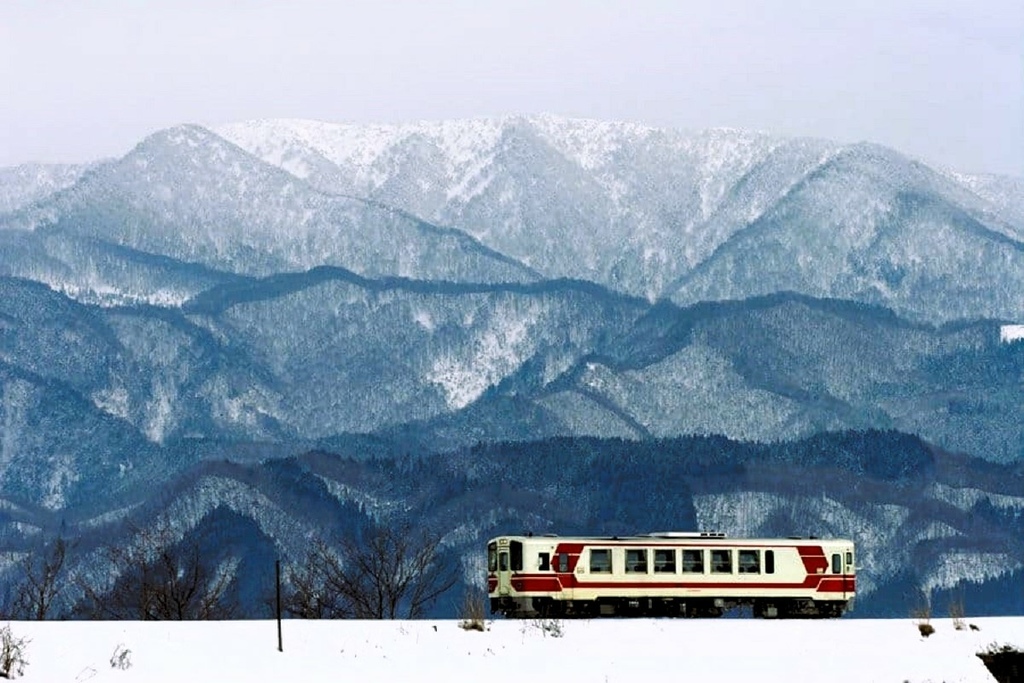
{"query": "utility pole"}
(277, 571)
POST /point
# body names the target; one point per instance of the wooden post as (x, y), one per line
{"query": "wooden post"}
(277, 571)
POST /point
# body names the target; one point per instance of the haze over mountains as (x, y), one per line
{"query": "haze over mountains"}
(276, 287)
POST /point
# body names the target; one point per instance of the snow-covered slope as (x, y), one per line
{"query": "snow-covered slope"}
(1004, 193)
(616, 203)
(873, 226)
(657, 212)
(718, 214)
(189, 195)
(24, 184)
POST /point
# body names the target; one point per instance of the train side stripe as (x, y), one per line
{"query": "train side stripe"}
(549, 583)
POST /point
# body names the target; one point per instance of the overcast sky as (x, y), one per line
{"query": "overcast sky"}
(942, 80)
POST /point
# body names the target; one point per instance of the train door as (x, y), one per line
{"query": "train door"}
(563, 569)
(839, 567)
(848, 572)
(504, 573)
(510, 559)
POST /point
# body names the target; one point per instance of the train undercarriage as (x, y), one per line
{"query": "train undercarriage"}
(778, 608)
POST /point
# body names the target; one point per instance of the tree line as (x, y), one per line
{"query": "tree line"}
(393, 573)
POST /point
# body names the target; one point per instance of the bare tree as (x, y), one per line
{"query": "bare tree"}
(43, 572)
(312, 594)
(394, 574)
(160, 578)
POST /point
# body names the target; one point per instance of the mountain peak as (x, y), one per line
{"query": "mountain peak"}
(186, 134)
(186, 143)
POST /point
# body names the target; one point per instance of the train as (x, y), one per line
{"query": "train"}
(669, 574)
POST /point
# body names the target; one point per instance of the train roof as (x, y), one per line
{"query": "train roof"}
(716, 537)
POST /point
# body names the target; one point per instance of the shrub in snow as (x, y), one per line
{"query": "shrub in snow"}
(473, 611)
(923, 615)
(956, 613)
(548, 627)
(122, 658)
(12, 654)
(552, 627)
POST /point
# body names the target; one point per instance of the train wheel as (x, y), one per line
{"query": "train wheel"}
(829, 610)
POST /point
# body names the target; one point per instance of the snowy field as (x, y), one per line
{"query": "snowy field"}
(592, 651)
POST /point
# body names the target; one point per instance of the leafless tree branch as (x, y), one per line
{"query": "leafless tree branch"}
(395, 573)
(160, 578)
(41, 584)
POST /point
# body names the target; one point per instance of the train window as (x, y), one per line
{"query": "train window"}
(721, 561)
(837, 563)
(544, 562)
(693, 561)
(601, 561)
(664, 561)
(503, 562)
(769, 561)
(516, 551)
(636, 560)
(492, 557)
(849, 560)
(563, 562)
(749, 562)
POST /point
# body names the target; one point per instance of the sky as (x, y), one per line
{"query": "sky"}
(941, 80)
(604, 650)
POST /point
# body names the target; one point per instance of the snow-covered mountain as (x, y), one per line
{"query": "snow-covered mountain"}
(293, 360)
(621, 204)
(191, 196)
(719, 214)
(693, 216)
(24, 184)
(873, 226)
(280, 289)
(1004, 193)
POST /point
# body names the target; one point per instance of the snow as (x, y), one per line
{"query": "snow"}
(466, 146)
(951, 568)
(1009, 333)
(62, 477)
(495, 352)
(594, 651)
(966, 498)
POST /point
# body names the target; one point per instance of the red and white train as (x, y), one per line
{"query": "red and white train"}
(669, 574)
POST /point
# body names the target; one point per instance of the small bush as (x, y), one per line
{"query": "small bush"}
(122, 658)
(956, 613)
(923, 615)
(474, 610)
(12, 654)
(546, 626)
(550, 627)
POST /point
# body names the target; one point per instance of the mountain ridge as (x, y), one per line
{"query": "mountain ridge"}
(644, 255)
(182, 324)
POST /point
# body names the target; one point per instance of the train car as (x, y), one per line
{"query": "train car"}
(669, 574)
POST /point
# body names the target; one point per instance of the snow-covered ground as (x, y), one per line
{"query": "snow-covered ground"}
(628, 651)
